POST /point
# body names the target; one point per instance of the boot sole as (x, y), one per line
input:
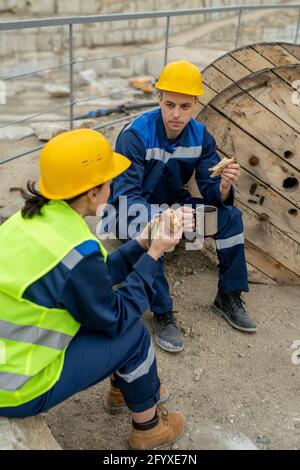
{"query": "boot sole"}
(165, 348)
(171, 442)
(167, 443)
(220, 313)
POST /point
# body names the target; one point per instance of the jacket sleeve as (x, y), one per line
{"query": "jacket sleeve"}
(120, 262)
(210, 187)
(130, 183)
(88, 294)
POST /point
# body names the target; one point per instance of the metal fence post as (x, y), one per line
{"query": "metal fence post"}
(71, 75)
(297, 27)
(238, 29)
(167, 40)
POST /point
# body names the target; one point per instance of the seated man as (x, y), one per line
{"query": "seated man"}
(165, 147)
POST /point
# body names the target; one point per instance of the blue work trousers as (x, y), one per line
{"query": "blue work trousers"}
(90, 358)
(231, 255)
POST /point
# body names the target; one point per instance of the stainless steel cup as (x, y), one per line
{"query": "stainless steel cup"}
(206, 220)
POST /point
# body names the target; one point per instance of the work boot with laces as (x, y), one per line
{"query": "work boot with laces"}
(115, 402)
(165, 428)
(231, 307)
(167, 334)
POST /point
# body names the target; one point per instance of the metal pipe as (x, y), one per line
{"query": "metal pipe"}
(167, 40)
(238, 29)
(71, 74)
(47, 22)
(19, 121)
(102, 126)
(297, 27)
(23, 154)
(35, 72)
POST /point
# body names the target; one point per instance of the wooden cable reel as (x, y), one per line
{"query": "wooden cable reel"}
(251, 107)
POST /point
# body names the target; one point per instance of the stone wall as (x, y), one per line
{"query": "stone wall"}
(55, 39)
(32, 49)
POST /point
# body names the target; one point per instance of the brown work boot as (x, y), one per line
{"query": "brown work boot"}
(168, 428)
(114, 400)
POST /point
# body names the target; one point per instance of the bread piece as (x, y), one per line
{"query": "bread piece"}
(173, 224)
(224, 163)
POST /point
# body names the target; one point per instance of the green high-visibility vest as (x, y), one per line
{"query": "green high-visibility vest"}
(33, 338)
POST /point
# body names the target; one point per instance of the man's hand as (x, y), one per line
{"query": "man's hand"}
(229, 176)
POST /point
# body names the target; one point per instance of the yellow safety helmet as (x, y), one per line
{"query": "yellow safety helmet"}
(181, 77)
(76, 161)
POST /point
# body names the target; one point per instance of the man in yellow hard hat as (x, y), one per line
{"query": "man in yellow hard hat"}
(166, 146)
(62, 325)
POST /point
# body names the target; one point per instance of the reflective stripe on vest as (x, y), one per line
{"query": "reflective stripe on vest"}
(35, 337)
(12, 382)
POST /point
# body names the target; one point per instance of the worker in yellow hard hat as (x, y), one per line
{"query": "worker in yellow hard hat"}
(62, 326)
(166, 147)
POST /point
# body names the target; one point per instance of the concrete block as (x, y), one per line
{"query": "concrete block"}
(26, 434)
(5, 44)
(66, 7)
(22, 42)
(139, 65)
(128, 36)
(42, 7)
(89, 7)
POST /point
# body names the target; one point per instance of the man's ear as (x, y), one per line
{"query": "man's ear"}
(93, 193)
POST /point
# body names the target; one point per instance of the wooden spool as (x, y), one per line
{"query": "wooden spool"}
(250, 107)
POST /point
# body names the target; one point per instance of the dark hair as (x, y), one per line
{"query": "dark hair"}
(34, 200)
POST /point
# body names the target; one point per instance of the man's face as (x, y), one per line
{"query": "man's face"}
(177, 109)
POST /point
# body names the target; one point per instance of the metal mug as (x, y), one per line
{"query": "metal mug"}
(206, 220)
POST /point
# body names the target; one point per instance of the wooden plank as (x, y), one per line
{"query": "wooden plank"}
(251, 59)
(275, 54)
(254, 275)
(263, 200)
(293, 49)
(216, 79)
(255, 119)
(262, 267)
(275, 95)
(209, 94)
(268, 265)
(231, 68)
(288, 73)
(271, 240)
(269, 169)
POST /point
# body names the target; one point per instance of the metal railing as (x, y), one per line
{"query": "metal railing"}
(76, 20)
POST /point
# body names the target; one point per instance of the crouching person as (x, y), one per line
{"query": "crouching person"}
(63, 326)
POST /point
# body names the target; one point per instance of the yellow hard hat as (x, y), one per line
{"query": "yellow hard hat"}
(76, 161)
(181, 77)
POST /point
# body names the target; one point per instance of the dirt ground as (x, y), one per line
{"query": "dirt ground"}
(238, 390)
